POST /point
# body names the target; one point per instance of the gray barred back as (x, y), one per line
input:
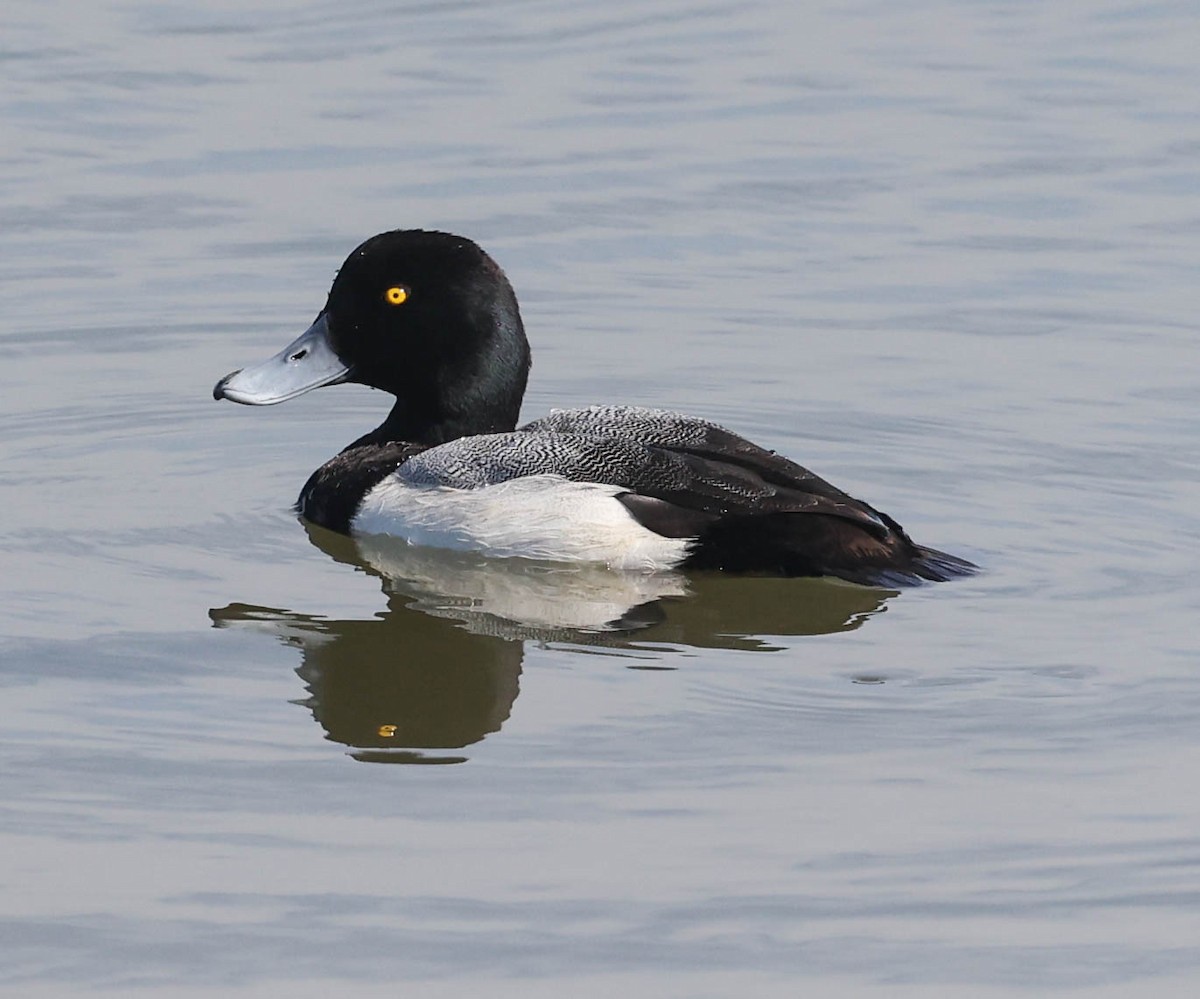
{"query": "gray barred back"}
(636, 423)
(486, 459)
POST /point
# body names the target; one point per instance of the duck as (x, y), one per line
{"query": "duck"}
(431, 319)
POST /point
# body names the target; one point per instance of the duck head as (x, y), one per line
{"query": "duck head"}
(426, 316)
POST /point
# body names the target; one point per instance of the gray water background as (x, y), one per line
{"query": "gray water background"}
(943, 253)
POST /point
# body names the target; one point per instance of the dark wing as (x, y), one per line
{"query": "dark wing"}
(719, 454)
(749, 495)
(690, 482)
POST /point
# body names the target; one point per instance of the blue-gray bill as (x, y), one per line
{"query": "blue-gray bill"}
(308, 362)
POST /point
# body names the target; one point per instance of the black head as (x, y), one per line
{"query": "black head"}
(426, 316)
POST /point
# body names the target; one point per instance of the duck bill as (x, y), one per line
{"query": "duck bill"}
(308, 362)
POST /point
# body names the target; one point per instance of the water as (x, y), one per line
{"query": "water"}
(942, 253)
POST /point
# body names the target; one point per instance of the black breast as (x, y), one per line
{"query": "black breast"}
(332, 494)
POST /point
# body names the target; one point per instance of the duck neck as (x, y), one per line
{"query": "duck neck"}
(429, 426)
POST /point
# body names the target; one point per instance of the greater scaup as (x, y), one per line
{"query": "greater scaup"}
(431, 319)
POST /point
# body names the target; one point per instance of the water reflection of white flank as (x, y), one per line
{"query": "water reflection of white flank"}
(491, 596)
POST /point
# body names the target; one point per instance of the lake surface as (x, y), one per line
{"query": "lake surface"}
(944, 253)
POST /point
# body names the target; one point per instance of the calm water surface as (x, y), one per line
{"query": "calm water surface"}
(944, 253)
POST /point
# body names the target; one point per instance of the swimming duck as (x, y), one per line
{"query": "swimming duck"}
(431, 319)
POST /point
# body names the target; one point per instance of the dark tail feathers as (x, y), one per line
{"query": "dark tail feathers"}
(939, 566)
(926, 565)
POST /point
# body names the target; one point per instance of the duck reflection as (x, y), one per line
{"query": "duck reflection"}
(439, 668)
(398, 682)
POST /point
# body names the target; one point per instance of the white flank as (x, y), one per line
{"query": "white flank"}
(537, 516)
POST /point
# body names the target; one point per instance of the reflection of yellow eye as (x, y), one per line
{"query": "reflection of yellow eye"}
(396, 295)
(387, 731)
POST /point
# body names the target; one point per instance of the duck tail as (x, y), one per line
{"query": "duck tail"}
(938, 567)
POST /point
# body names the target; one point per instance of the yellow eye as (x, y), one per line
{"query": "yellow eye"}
(396, 295)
